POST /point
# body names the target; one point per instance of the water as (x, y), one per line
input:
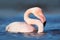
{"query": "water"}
(52, 28)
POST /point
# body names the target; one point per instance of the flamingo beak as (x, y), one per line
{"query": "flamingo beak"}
(44, 23)
(43, 20)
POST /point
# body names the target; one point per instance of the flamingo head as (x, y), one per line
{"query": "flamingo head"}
(39, 14)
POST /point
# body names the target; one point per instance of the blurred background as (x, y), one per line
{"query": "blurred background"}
(13, 10)
(11, 7)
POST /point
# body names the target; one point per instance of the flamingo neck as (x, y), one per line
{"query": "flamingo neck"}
(35, 21)
(26, 18)
(40, 26)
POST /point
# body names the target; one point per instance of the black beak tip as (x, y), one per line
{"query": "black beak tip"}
(44, 23)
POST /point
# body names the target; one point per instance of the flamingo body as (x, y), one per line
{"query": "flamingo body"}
(21, 27)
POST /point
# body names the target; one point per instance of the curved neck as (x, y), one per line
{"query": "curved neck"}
(38, 13)
(33, 21)
(26, 17)
(40, 26)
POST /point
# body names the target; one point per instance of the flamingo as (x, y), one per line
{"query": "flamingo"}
(26, 27)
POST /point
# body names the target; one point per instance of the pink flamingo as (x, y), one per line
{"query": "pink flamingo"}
(26, 27)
